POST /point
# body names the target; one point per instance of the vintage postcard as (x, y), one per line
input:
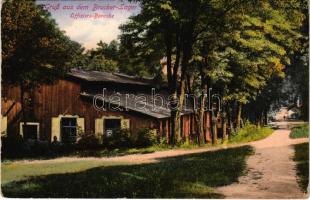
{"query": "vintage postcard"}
(155, 99)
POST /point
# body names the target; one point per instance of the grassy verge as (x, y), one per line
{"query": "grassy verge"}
(301, 157)
(116, 152)
(191, 176)
(122, 152)
(301, 131)
(250, 133)
(16, 171)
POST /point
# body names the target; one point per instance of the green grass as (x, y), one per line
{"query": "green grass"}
(191, 176)
(129, 151)
(16, 171)
(250, 133)
(301, 131)
(301, 157)
(145, 150)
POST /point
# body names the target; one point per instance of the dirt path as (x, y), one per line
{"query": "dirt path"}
(133, 158)
(271, 172)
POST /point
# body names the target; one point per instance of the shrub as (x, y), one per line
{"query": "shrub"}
(87, 141)
(301, 131)
(163, 141)
(250, 132)
(301, 157)
(188, 144)
(119, 139)
(60, 149)
(13, 146)
(39, 148)
(145, 137)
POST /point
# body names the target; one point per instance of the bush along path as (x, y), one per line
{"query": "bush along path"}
(301, 131)
(301, 158)
(271, 170)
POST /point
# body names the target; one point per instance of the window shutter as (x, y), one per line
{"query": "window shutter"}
(4, 125)
(55, 129)
(81, 125)
(99, 127)
(125, 123)
(21, 126)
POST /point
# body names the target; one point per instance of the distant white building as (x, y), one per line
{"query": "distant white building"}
(283, 114)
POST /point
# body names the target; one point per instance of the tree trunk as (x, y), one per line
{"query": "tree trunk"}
(177, 127)
(23, 107)
(258, 122)
(198, 133)
(193, 103)
(197, 125)
(262, 119)
(180, 108)
(172, 126)
(231, 121)
(187, 48)
(203, 88)
(175, 118)
(225, 136)
(202, 118)
(239, 116)
(172, 86)
(214, 128)
(266, 117)
(208, 126)
(206, 83)
(192, 127)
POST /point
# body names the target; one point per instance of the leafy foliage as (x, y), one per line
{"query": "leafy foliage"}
(300, 131)
(12, 146)
(145, 137)
(119, 139)
(249, 133)
(240, 48)
(87, 141)
(301, 157)
(34, 49)
(103, 58)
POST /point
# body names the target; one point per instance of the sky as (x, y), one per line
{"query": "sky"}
(89, 21)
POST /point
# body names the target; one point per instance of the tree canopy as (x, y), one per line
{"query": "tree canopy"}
(238, 47)
(33, 47)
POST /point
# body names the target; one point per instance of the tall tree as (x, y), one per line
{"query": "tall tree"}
(237, 47)
(34, 49)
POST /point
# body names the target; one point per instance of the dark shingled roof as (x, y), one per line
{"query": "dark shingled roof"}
(131, 104)
(96, 76)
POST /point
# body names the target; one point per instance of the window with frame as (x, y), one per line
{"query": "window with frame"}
(112, 126)
(30, 131)
(68, 130)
